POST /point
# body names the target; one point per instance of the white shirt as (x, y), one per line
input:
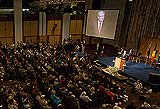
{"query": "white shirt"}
(85, 98)
(117, 107)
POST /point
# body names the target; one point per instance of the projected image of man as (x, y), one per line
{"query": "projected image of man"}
(101, 15)
(102, 23)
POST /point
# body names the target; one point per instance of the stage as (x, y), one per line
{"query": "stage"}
(135, 71)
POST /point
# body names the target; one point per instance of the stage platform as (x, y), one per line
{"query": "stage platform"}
(135, 71)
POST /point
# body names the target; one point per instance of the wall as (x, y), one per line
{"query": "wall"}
(76, 27)
(30, 31)
(143, 23)
(6, 29)
(30, 28)
(146, 42)
(30, 25)
(54, 32)
(6, 32)
(115, 4)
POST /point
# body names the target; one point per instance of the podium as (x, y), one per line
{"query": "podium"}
(119, 63)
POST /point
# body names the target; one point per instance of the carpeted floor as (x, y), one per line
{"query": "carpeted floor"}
(140, 70)
(137, 70)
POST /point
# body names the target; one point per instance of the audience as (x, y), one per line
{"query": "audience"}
(45, 76)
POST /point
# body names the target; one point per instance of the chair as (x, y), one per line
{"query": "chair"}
(137, 57)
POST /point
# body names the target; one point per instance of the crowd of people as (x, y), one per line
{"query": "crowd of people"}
(41, 76)
(130, 55)
(151, 58)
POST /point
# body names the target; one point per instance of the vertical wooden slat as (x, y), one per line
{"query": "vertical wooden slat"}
(143, 21)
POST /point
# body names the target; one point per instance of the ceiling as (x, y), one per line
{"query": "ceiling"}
(7, 4)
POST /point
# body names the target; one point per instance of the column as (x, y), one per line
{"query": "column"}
(42, 26)
(18, 20)
(66, 25)
(88, 5)
(44, 23)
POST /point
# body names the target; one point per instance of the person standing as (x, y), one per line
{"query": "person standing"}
(147, 56)
(97, 47)
(83, 46)
(124, 55)
(102, 52)
(130, 55)
(158, 59)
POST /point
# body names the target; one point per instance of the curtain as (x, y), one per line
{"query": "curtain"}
(142, 19)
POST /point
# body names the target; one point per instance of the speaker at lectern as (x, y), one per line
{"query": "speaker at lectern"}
(119, 63)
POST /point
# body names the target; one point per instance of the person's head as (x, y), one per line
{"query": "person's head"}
(83, 93)
(119, 103)
(101, 15)
(104, 106)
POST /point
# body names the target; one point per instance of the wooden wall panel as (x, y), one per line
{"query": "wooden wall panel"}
(76, 37)
(30, 28)
(6, 29)
(2, 29)
(146, 41)
(54, 40)
(26, 28)
(6, 40)
(34, 28)
(50, 29)
(42, 38)
(9, 29)
(76, 26)
(142, 21)
(30, 39)
(144, 45)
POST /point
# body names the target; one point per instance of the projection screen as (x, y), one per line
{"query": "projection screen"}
(102, 23)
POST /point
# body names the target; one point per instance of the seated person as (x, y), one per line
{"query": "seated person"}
(146, 105)
(84, 97)
(147, 56)
(147, 93)
(117, 105)
(124, 54)
(121, 51)
(130, 54)
(137, 57)
(138, 86)
(158, 60)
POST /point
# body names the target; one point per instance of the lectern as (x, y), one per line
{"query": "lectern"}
(119, 63)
